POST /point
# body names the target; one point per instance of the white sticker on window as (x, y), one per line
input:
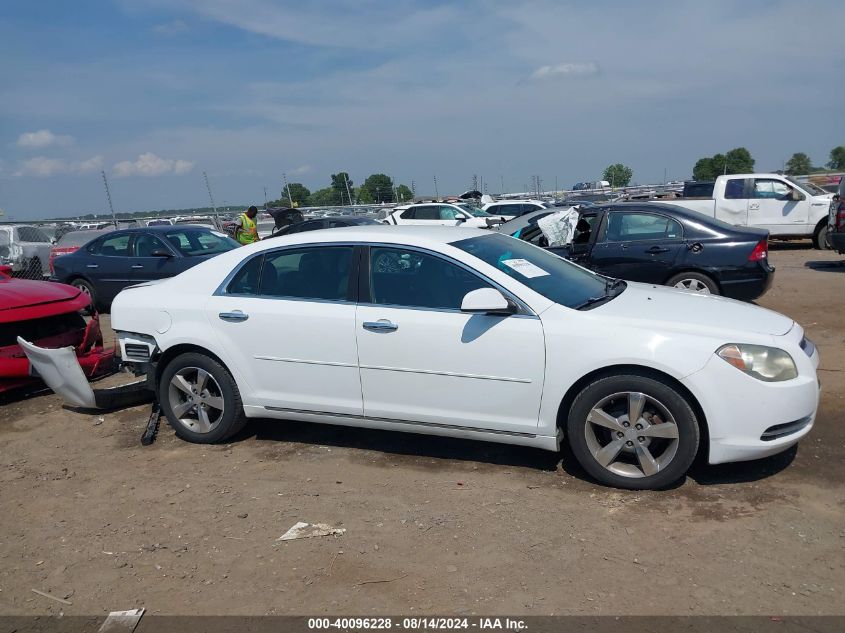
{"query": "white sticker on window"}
(525, 268)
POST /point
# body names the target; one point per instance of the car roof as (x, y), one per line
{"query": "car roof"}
(409, 235)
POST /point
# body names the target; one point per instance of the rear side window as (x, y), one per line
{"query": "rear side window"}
(307, 273)
(409, 214)
(735, 189)
(628, 227)
(115, 246)
(426, 213)
(32, 234)
(245, 282)
(195, 242)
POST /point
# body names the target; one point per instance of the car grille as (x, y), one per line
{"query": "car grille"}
(136, 351)
(808, 346)
(782, 430)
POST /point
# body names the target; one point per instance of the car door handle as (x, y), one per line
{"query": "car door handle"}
(656, 250)
(137, 266)
(382, 325)
(92, 266)
(235, 316)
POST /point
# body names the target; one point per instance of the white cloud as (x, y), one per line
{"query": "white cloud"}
(148, 164)
(169, 29)
(301, 170)
(43, 167)
(42, 138)
(544, 72)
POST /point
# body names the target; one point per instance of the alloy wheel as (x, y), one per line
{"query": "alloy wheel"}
(196, 399)
(696, 285)
(631, 434)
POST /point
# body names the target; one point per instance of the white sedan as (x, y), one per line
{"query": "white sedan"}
(469, 333)
(441, 214)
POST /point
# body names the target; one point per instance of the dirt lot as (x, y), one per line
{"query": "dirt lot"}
(432, 525)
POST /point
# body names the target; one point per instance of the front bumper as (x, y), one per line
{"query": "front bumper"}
(750, 419)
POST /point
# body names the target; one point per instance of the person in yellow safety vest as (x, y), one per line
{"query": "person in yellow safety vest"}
(246, 230)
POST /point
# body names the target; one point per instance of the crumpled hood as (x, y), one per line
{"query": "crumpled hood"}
(678, 309)
(22, 298)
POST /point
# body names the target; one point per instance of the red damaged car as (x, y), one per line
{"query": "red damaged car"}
(49, 315)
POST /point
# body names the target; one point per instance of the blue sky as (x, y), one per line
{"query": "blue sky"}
(157, 91)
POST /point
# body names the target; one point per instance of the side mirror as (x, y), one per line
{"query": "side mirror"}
(460, 219)
(487, 301)
(160, 252)
(796, 196)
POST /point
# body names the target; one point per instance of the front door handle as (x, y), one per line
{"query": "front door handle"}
(92, 266)
(382, 325)
(656, 250)
(236, 316)
(137, 266)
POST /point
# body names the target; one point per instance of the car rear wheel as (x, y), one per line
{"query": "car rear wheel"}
(695, 282)
(200, 399)
(633, 432)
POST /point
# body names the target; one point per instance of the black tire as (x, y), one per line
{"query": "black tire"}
(820, 237)
(86, 287)
(232, 419)
(626, 469)
(691, 277)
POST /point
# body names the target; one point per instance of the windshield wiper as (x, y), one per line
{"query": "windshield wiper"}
(594, 301)
(612, 289)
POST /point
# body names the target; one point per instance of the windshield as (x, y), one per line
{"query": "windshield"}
(547, 274)
(475, 211)
(809, 187)
(198, 242)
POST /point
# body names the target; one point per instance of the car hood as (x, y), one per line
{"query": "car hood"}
(26, 299)
(648, 305)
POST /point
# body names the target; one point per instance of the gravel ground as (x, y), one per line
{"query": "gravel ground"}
(433, 525)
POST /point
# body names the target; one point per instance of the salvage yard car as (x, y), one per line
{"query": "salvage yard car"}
(468, 333)
(50, 315)
(106, 265)
(26, 249)
(666, 245)
(440, 213)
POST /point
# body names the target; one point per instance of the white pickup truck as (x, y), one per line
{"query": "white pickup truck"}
(785, 208)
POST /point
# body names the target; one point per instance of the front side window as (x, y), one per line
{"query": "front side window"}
(307, 273)
(197, 242)
(766, 189)
(450, 213)
(146, 245)
(406, 277)
(637, 227)
(115, 246)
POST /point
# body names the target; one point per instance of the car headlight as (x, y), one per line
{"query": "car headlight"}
(769, 364)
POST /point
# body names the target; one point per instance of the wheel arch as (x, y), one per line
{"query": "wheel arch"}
(184, 348)
(639, 370)
(699, 271)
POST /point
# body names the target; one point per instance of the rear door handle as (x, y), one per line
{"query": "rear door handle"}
(656, 250)
(382, 325)
(137, 266)
(235, 316)
(92, 266)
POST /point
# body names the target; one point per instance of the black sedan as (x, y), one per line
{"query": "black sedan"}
(667, 245)
(323, 223)
(106, 265)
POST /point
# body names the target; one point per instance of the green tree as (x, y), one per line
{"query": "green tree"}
(379, 188)
(342, 185)
(736, 161)
(298, 192)
(704, 169)
(739, 161)
(837, 158)
(324, 198)
(799, 164)
(363, 195)
(618, 175)
(404, 193)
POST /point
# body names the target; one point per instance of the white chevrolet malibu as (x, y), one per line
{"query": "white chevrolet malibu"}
(466, 333)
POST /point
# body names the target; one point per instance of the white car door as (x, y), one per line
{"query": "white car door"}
(772, 208)
(423, 360)
(288, 320)
(732, 206)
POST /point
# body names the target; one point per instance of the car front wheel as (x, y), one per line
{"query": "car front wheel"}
(633, 432)
(200, 399)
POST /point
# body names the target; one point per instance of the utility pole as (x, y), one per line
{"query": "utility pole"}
(210, 197)
(346, 180)
(665, 172)
(502, 183)
(474, 182)
(287, 188)
(265, 196)
(436, 192)
(413, 189)
(108, 196)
